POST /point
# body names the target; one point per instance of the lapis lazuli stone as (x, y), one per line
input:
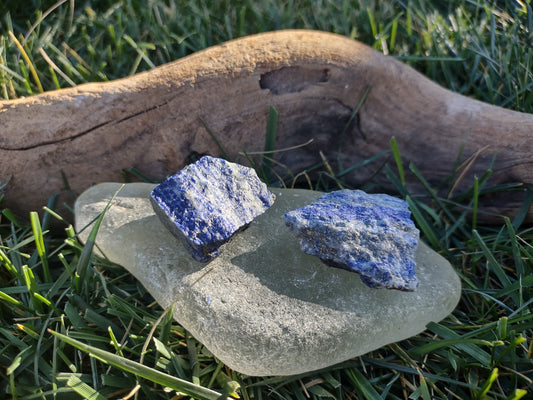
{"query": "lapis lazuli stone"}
(370, 234)
(209, 201)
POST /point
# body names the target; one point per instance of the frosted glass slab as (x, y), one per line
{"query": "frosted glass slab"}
(264, 307)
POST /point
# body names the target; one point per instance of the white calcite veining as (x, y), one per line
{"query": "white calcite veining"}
(264, 307)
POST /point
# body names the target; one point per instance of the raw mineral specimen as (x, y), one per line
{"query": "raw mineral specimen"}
(370, 234)
(209, 201)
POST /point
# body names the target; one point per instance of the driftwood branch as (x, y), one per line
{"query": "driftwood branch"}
(154, 120)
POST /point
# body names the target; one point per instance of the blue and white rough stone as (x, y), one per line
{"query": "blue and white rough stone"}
(370, 234)
(209, 201)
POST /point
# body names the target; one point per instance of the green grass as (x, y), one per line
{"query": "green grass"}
(59, 303)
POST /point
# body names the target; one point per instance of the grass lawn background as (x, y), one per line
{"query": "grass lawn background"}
(48, 281)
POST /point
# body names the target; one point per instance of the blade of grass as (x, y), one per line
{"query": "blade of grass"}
(349, 123)
(285, 149)
(140, 51)
(270, 143)
(517, 258)
(7, 298)
(49, 213)
(517, 394)
(28, 61)
(85, 391)
(55, 68)
(422, 222)
(229, 386)
(329, 170)
(86, 254)
(138, 174)
(10, 267)
(213, 136)
(493, 263)
(393, 178)
(361, 164)
(487, 385)
(363, 384)
(524, 209)
(33, 287)
(11, 73)
(193, 357)
(411, 371)
(458, 222)
(469, 348)
(41, 19)
(475, 202)
(517, 341)
(39, 243)
(397, 158)
(47, 302)
(436, 345)
(140, 370)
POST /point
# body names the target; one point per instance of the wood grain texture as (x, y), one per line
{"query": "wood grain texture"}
(151, 121)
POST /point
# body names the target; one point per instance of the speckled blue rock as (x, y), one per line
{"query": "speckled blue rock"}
(370, 234)
(209, 201)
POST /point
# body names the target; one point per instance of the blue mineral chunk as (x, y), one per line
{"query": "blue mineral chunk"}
(370, 234)
(209, 201)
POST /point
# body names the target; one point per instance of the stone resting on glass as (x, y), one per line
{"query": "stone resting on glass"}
(370, 234)
(263, 306)
(208, 202)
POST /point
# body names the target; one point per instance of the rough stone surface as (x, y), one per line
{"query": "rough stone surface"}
(370, 234)
(209, 201)
(264, 307)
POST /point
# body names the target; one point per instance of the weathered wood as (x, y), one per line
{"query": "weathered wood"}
(152, 121)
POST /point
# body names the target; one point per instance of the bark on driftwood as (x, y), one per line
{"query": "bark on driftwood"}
(152, 121)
